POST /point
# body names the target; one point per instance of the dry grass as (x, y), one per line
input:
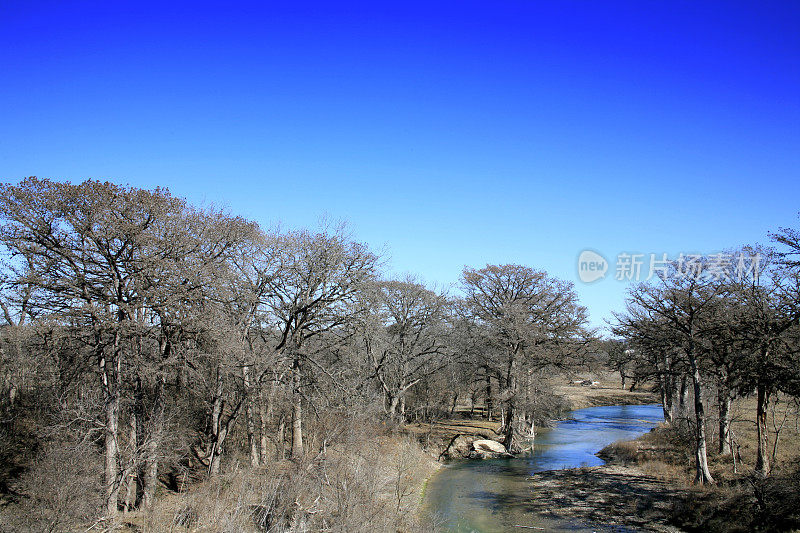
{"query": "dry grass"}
(359, 486)
(745, 437)
(369, 479)
(60, 492)
(662, 451)
(607, 392)
(740, 500)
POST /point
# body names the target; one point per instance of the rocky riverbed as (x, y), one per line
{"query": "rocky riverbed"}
(609, 495)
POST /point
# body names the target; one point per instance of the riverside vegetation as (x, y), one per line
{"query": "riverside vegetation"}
(173, 368)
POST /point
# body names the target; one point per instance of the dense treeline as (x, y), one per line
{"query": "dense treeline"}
(148, 344)
(146, 341)
(711, 330)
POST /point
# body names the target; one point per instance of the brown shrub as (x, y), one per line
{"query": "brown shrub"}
(363, 482)
(61, 489)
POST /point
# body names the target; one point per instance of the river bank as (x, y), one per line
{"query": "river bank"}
(607, 496)
(646, 483)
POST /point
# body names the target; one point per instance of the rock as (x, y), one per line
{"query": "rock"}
(488, 449)
(479, 444)
(460, 447)
(486, 445)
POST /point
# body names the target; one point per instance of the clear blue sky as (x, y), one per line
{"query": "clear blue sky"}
(451, 134)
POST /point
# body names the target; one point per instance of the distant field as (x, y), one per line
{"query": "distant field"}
(607, 391)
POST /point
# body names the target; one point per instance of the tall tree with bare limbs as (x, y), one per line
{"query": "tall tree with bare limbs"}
(314, 291)
(188, 273)
(80, 245)
(404, 336)
(122, 266)
(534, 318)
(683, 302)
(767, 304)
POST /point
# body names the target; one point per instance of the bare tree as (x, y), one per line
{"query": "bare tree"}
(314, 291)
(128, 266)
(404, 337)
(768, 308)
(683, 301)
(80, 244)
(534, 318)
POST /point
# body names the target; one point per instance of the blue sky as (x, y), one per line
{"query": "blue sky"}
(448, 134)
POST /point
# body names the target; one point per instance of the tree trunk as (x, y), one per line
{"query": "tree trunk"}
(683, 400)
(282, 439)
(665, 382)
(263, 415)
(762, 460)
(131, 476)
(112, 453)
(676, 398)
(224, 430)
(297, 411)
(216, 453)
(112, 384)
(666, 408)
(703, 474)
(138, 438)
(489, 404)
(508, 430)
(216, 424)
(150, 474)
(724, 400)
(150, 478)
(516, 429)
(252, 439)
(511, 415)
(394, 401)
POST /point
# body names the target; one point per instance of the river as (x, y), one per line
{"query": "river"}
(492, 495)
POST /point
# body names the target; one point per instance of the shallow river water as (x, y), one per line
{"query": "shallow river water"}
(492, 495)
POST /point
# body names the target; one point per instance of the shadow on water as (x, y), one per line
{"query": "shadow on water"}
(496, 495)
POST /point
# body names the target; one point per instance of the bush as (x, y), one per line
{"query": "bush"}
(61, 489)
(364, 481)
